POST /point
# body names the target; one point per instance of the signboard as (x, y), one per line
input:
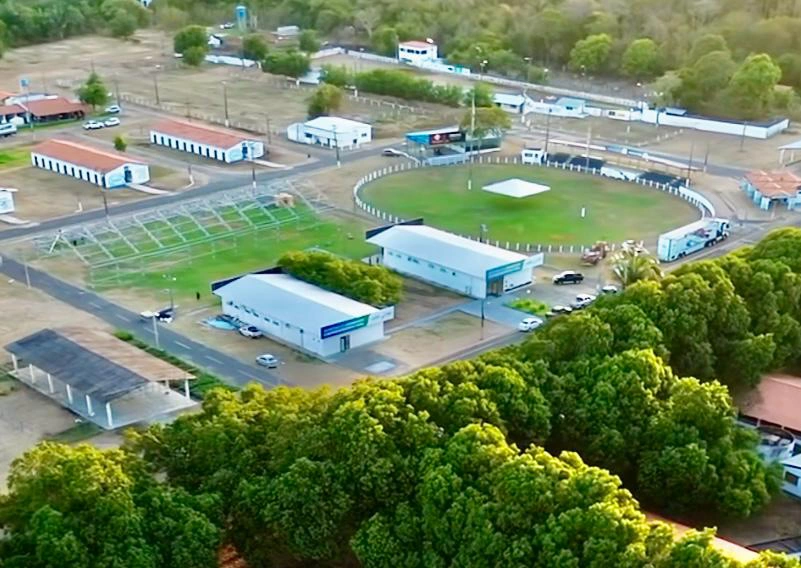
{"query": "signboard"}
(499, 271)
(23, 83)
(344, 327)
(6, 201)
(439, 138)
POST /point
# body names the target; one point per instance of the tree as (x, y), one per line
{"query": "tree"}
(384, 41)
(122, 25)
(308, 42)
(487, 120)
(591, 53)
(189, 37)
(325, 100)
(752, 85)
(254, 47)
(94, 92)
(338, 76)
(631, 265)
(290, 63)
(80, 506)
(481, 93)
(706, 44)
(195, 55)
(704, 82)
(120, 144)
(642, 59)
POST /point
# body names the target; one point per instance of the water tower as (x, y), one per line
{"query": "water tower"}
(241, 17)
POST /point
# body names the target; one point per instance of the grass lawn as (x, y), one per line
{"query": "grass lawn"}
(15, 157)
(615, 210)
(533, 307)
(193, 270)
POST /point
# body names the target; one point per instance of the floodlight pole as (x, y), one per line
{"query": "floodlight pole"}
(156, 88)
(472, 139)
(690, 162)
(589, 138)
(336, 144)
(117, 91)
(225, 103)
(547, 133)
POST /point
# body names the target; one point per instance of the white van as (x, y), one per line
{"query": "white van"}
(7, 129)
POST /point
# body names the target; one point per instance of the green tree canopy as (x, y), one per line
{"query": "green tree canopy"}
(254, 47)
(325, 100)
(94, 92)
(752, 85)
(188, 37)
(642, 59)
(290, 63)
(308, 42)
(591, 54)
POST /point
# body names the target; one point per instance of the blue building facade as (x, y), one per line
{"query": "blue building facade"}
(768, 188)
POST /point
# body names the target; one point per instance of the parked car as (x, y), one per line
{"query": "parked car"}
(529, 323)
(7, 129)
(164, 315)
(227, 26)
(391, 153)
(113, 109)
(609, 289)
(113, 121)
(92, 125)
(582, 301)
(267, 360)
(250, 331)
(568, 277)
(558, 311)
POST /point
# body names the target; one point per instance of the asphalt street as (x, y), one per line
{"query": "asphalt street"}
(216, 362)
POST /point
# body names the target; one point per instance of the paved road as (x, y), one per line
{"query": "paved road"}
(220, 364)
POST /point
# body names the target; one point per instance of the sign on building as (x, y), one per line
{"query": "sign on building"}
(6, 200)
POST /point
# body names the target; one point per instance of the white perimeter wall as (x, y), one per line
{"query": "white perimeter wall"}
(227, 155)
(652, 116)
(140, 173)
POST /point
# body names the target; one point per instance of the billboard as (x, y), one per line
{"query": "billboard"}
(6, 201)
(438, 138)
(344, 327)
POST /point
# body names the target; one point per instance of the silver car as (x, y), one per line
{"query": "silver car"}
(267, 360)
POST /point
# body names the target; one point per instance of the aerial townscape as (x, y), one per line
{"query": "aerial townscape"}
(303, 284)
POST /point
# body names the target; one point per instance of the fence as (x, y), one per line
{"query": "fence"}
(696, 199)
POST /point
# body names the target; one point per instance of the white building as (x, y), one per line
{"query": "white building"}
(301, 314)
(104, 168)
(518, 104)
(791, 479)
(7, 200)
(562, 107)
(208, 141)
(468, 267)
(331, 131)
(417, 52)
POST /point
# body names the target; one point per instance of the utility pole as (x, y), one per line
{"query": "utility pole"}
(156, 330)
(269, 132)
(706, 157)
(690, 163)
(225, 103)
(547, 133)
(589, 138)
(742, 138)
(336, 144)
(156, 88)
(472, 139)
(117, 91)
(105, 201)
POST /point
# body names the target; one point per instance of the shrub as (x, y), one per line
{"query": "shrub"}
(529, 306)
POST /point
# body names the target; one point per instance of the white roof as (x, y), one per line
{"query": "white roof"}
(507, 99)
(515, 187)
(791, 146)
(794, 461)
(445, 249)
(291, 300)
(329, 122)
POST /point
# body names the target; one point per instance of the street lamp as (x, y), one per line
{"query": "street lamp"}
(169, 279)
(225, 102)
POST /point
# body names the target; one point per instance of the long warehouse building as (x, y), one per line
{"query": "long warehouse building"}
(465, 266)
(104, 168)
(219, 144)
(301, 314)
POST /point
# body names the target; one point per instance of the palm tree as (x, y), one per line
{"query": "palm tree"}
(632, 264)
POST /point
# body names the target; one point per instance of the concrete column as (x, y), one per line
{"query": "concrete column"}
(109, 417)
(33, 376)
(69, 394)
(50, 383)
(186, 388)
(89, 410)
(14, 362)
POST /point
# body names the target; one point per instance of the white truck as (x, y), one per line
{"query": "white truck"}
(691, 238)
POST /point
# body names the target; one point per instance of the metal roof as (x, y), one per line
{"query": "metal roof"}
(282, 297)
(91, 361)
(202, 133)
(445, 249)
(508, 99)
(83, 155)
(328, 123)
(776, 399)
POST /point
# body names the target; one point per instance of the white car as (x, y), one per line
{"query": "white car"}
(113, 121)
(582, 301)
(529, 324)
(92, 125)
(113, 109)
(609, 289)
(250, 331)
(267, 360)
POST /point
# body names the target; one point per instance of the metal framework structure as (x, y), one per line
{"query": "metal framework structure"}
(114, 246)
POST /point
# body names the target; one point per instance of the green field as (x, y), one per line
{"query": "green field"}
(615, 211)
(15, 157)
(191, 269)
